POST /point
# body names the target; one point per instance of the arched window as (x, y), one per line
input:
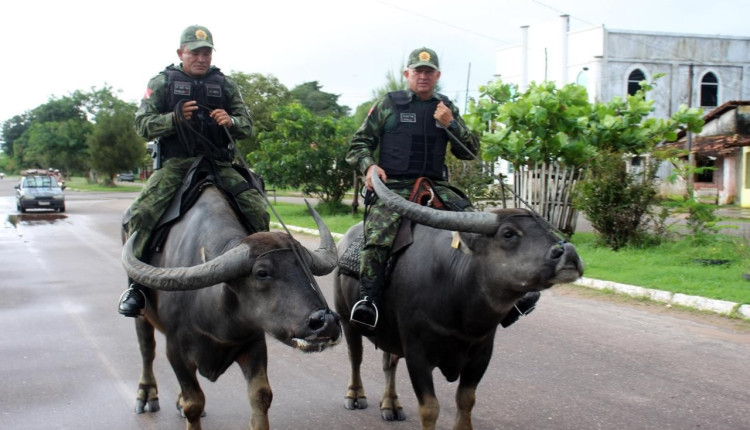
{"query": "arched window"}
(634, 81)
(709, 90)
(583, 77)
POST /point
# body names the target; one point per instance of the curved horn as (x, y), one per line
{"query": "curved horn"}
(471, 222)
(235, 262)
(325, 258)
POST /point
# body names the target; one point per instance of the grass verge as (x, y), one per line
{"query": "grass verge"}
(81, 184)
(296, 214)
(713, 271)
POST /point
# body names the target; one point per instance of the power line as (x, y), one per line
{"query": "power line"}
(441, 22)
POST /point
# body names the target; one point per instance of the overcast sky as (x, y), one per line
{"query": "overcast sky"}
(55, 47)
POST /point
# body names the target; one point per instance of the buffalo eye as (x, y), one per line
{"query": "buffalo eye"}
(262, 273)
(509, 234)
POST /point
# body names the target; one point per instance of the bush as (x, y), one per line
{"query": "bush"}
(618, 202)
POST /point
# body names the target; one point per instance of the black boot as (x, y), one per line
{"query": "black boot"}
(132, 301)
(365, 312)
(524, 306)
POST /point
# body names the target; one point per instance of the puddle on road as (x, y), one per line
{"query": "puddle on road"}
(32, 219)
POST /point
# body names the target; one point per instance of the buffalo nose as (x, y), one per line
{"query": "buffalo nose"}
(318, 318)
(556, 251)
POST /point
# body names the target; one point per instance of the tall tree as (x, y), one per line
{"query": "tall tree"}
(263, 95)
(12, 130)
(113, 144)
(394, 81)
(56, 136)
(317, 101)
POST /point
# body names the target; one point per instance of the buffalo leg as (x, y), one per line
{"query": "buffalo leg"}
(420, 374)
(147, 398)
(254, 366)
(191, 401)
(390, 406)
(467, 386)
(355, 393)
(465, 399)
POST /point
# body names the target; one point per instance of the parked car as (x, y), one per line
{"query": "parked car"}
(39, 192)
(126, 177)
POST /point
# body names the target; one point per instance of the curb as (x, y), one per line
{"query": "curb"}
(721, 307)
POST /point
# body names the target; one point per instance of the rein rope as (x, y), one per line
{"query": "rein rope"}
(187, 134)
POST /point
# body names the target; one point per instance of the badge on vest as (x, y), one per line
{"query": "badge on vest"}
(408, 117)
(182, 88)
(213, 90)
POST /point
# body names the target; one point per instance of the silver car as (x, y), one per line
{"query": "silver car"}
(39, 192)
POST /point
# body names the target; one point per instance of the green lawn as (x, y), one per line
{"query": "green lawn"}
(669, 267)
(297, 214)
(676, 267)
(81, 184)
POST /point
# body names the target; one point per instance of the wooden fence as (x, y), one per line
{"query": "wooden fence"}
(547, 189)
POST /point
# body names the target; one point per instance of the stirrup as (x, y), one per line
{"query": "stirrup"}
(142, 311)
(366, 301)
(528, 311)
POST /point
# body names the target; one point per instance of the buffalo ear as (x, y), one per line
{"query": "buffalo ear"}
(467, 242)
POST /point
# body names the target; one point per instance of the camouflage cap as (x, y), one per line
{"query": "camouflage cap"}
(423, 57)
(196, 36)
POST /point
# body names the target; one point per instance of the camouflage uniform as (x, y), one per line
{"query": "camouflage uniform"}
(154, 120)
(382, 223)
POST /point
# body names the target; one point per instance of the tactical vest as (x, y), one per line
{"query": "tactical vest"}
(416, 146)
(210, 94)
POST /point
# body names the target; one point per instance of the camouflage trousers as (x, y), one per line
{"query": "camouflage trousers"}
(156, 197)
(382, 223)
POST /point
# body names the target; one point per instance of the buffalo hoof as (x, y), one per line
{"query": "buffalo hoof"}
(142, 406)
(396, 414)
(358, 403)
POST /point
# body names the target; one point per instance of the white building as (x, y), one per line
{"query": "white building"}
(699, 70)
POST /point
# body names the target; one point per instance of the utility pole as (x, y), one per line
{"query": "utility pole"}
(466, 97)
(691, 156)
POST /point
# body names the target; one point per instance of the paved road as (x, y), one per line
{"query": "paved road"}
(69, 361)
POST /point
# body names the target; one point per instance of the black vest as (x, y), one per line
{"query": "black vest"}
(416, 146)
(210, 94)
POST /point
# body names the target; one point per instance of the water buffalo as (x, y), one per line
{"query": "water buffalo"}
(446, 296)
(214, 293)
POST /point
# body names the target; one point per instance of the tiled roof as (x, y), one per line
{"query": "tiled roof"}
(714, 145)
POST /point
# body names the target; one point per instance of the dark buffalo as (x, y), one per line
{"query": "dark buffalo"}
(443, 302)
(215, 292)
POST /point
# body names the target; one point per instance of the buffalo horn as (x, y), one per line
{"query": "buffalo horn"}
(232, 264)
(470, 222)
(325, 258)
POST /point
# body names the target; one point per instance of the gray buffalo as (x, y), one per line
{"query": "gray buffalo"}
(446, 295)
(214, 293)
